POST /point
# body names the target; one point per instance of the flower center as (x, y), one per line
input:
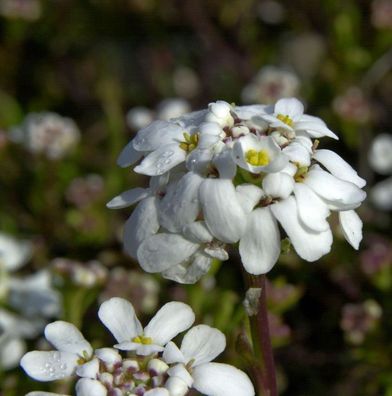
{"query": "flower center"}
(257, 158)
(142, 340)
(301, 173)
(84, 358)
(285, 119)
(190, 142)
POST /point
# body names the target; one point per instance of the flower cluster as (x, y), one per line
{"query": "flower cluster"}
(47, 133)
(380, 160)
(269, 85)
(231, 174)
(144, 362)
(26, 302)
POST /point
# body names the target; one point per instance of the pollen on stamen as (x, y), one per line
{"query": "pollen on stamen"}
(142, 340)
(257, 158)
(190, 142)
(285, 119)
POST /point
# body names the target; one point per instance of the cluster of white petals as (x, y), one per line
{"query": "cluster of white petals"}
(47, 133)
(26, 301)
(144, 362)
(228, 175)
(380, 159)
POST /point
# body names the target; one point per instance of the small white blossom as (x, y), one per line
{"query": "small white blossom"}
(199, 347)
(380, 160)
(271, 84)
(47, 133)
(119, 317)
(27, 301)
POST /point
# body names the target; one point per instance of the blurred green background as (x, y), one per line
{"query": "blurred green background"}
(94, 60)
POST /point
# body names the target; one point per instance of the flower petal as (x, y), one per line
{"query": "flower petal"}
(140, 349)
(158, 133)
(128, 198)
(11, 350)
(14, 253)
(180, 371)
(118, 315)
(291, 107)
(260, 245)
(180, 205)
(312, 211)
(297, 153)
(352, 227)
(217, 379)
(39, 393)
(108, 355)
(173, 318)
(162, 251)
(67, 338)
(49, 365)
(172, 354)
(278, 185)
(339, 194)
(161, 160)
(202, 344)
(142, 223)
(90, 387)
(223, 213)
(309, 245)
(89, 369)
(190, 271)
(157, 392)
(338, 167)
(129, 156)
(248, 196)
(314, 127)
(197, 232)
(227, 168)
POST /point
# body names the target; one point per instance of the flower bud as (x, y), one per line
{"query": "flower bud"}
(176, 386)
(220, 112)
(157, 367)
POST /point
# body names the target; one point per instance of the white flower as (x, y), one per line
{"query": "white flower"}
(139, 117)
(380, 160)
(172, 108)
(72, 350)
(269, 85)
(380, 154)
(288, 117)
(259, 154)
(381, 194)
(30, 300)
(195, 249)
(11, 350)
(14, 253)
(34, 296)
(47, 133)
(199, 347)
(119, 317)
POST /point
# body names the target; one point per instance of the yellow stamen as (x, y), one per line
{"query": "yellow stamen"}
(286, 119)
(301, 173)
(257, 158)
(190, 142)
(142, 340)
